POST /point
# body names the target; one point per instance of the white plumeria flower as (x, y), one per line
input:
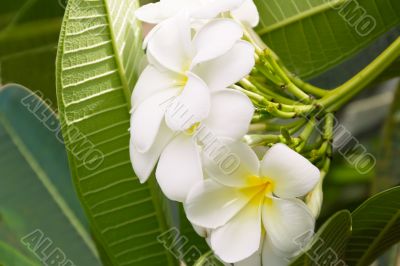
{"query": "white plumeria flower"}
(257, 197)
(156, 13)
(247, 13)
(193, 74)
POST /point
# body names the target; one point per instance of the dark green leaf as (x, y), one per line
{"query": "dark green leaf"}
(376, 227)
(11, 257)
(311, 36)
(194, 240)
(208, 259)
(36, 191)
(328, 244)
(28, 41)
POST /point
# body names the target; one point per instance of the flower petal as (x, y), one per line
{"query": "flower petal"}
(230, 115)
(170, 44)
(179, 168)
(152, 81)
(293, 175)
(241, 236)
(157, 12)
(270, 257)
(143, 163)
(211, 205)
(215, 39)
(211, 9)
(191, 106)
(228, 69)
(234, 164)
(247, 13)
(201, 231)
(146, 119)
(287, 221)
(253, 260)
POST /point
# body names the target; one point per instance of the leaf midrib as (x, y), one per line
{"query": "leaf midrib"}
(121, 69)
(151, 183)
(157, 204)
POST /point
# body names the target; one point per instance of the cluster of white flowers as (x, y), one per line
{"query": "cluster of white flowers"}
(195, 53)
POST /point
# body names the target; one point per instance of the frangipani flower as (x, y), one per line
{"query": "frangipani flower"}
(215, 54)
(257, 198)
(156, 13)
(179, 152)
(247, 13)
(190, 76)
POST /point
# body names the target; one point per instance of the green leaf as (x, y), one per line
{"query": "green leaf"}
(311, 37)
(376, 225)
(194, 240)
(208, 259)
(28, 41)
(328, 245)
(36, 192)
(98, 59)
(11, 257)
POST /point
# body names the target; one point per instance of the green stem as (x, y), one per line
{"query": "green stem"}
(341, 95)
(273, 96)
(261, 140)
(299, 85)
(301, 95)
(305, 134)
(307, 87)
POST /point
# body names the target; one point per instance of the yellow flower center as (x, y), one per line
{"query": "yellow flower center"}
(258, 188)
(190, 131)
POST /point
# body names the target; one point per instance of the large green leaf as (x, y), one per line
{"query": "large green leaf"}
(29, 31)
(36, 192)
(376, 227)
(97, 67)
(310, 36)
(11, 257)
(328, 244)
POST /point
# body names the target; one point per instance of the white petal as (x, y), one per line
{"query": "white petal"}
(179, 168)
(143, 163)
(293, 175)
(272, 258)
(230, 115)
(170, 45)
(212, 8)
(247, 13)
(241, 236)
(191, 106)
(211, 205)
(157, 12)
(234, 164)
(286, 222)
(146, 119)
(215, 39)
(150, 13)
(254, 260)
(228, 69)
(152, 81)
(201, 231)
